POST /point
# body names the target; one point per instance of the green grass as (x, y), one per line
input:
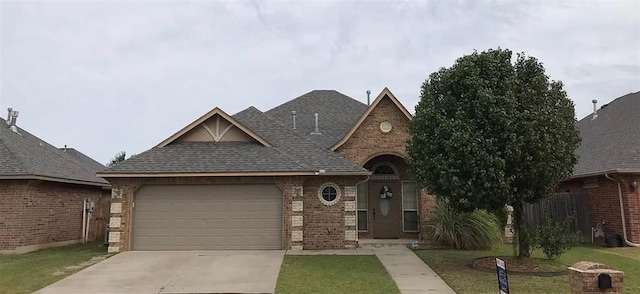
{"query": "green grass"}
(32, 271)
(334, 274)
(454, 266)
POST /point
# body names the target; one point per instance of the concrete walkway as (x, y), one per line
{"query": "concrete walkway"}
(410, 273)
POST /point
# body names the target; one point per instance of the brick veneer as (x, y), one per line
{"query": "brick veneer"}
(36, 213)
(604, 203)
(310, 225)
(368, 141)
(325, 226)
(583, 278)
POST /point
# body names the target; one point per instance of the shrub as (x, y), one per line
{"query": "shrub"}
(555, 238)
(465, 230)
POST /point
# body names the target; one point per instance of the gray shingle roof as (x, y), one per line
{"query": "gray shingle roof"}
(306, 151)
(87, 161)
(337, 113)
(291, 152)
(207, 157)
(25, 155)
(611, 142)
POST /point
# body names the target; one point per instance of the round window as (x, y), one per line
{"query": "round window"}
(329, 194)
(385, 126)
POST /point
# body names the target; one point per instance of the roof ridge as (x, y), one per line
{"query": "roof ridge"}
(14, 156)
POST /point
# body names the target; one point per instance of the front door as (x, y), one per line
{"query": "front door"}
(385, 199)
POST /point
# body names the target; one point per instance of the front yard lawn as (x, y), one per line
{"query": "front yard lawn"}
(334, 274)
(29, 272)
(454, 266)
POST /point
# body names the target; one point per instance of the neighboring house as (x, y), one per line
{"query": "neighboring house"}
(608, 168)
(317, 172)
(42, 192)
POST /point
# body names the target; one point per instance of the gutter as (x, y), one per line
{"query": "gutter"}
(624, 222)
(232, 174)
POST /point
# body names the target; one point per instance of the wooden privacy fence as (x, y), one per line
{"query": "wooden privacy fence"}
(560, 206)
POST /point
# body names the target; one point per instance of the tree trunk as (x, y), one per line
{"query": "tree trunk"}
(524, 236)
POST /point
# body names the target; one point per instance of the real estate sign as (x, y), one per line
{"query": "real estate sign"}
(503, 282)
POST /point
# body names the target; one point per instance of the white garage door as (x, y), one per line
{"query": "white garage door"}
(206, 217)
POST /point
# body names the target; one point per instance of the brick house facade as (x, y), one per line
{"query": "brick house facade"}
(43, 190)
(608, 168)
(319, 187)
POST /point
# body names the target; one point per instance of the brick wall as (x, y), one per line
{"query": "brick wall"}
(330, 227)
(40, 212)
(604, 203)
(369, 141)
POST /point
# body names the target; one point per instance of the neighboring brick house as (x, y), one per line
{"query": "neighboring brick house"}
(42, 192)
(318, 172)
(608, 168)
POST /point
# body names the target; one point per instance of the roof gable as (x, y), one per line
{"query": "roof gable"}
(386, 93)
(215, 126)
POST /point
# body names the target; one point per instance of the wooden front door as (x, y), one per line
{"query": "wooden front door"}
(385, 201)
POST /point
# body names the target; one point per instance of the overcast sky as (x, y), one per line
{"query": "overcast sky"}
(109, 76)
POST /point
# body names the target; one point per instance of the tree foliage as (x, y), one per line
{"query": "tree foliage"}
(119, 157)
(488, 132)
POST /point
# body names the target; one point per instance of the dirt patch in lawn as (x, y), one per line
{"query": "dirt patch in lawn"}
(80, 266)
(527, 266)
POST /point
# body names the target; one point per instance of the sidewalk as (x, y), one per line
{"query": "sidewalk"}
(410, 273)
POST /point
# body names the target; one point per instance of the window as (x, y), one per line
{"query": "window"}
(362, 190)
(329, 194)
(384, 170)
(409, 206)
(591, 182)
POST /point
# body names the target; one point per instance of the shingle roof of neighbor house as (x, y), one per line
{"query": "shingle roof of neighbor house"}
(292, 151)
(24, 156)
(611, 141)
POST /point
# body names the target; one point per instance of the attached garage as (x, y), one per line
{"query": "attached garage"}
(207, 217)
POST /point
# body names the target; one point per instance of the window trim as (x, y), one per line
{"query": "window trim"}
(366, 210)
(417, 209)
(327, 185)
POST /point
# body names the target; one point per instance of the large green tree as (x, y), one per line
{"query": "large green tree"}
(488, 132)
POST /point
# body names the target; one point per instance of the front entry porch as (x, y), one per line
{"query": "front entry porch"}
(388, 201)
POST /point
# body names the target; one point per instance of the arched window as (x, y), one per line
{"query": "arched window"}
(384, 169)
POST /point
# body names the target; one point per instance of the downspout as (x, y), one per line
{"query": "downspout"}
(624, 222)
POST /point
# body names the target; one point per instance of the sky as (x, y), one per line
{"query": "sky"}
(106, 76)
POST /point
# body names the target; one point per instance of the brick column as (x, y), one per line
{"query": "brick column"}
(350, 208)
(426, 207)
(297, 218)
(119, 222)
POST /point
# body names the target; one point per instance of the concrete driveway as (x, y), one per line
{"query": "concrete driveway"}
(177, 272)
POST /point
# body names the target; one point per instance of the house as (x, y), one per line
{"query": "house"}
(321, 171)
(43, 191)
(608, 168)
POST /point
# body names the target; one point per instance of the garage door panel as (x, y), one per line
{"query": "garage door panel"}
(205, 217)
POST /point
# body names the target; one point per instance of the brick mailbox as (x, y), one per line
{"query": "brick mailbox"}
(590, 278)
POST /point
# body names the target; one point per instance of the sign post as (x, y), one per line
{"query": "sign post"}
(503, 282)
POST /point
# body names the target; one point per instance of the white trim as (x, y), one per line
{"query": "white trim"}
(53, 179)
(327, 185)
(366, 210)
(417, 210)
